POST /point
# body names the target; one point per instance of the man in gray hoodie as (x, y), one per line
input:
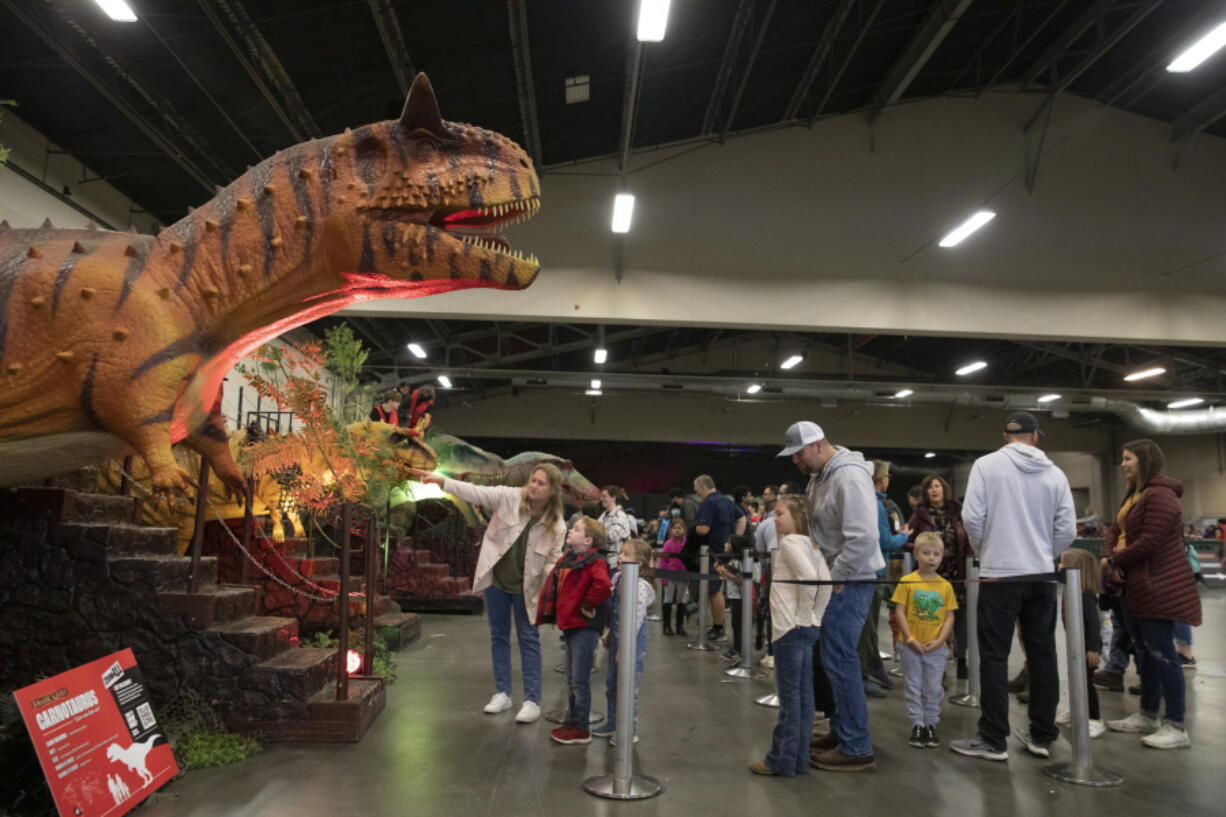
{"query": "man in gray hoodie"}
(842, 506)
(1019, 517)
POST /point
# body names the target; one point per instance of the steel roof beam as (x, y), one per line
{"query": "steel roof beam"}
(1017, 51)
(517, 14)
(1206, 112)
(941, 19)
(393, 42)
(829, 34)
(855, 47)
(749, 64)
(1092, 16)
(723, 77)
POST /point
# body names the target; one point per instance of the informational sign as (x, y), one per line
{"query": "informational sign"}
(99, 743)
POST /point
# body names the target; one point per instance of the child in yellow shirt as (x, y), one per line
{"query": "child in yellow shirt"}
(924, 612)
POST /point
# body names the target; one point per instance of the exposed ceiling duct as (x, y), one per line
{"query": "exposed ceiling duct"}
(1200, 421)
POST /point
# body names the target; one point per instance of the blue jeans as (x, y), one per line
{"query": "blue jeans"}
(610, 681)
(789, 754)
(1158, 665)
(499, 605)
(580, 653)
(841, 626)
(1117, 656)
(1183, 633)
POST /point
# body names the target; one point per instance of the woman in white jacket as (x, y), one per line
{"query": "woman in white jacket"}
(522, 542)
(616, 522)
(796, 615)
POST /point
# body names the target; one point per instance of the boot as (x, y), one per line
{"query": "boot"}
(666, 613)
(681, 620)
(1021, 682)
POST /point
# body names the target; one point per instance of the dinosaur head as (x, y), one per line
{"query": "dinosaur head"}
(428, 199)
(399, 450)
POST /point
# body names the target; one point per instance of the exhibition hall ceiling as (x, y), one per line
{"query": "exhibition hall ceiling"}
(191, 93)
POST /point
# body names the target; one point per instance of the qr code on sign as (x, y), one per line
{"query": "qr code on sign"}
(146, 716)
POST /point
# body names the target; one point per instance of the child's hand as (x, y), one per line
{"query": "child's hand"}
(586, 611)
(915, 646)
(1092, 659)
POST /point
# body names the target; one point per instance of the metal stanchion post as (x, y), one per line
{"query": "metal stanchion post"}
(908, 563)
(704, 567)
(770, 700)
(623, 784)
(971, 697)
(746, 670)
(342, 661)
(1081, 769)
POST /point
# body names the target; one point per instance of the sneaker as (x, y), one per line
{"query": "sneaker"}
(501, 702)
(1168, 736)
(1019, 681)
(977, 747)
(1064, 717)
(835, 761)
(758, 767)
(917, 737)
(882, 677)
(732, 657)
(1097, 728)
(528, 713)
(1033, 746)
(605, 730)
(569, 733)
(930, 737)
(613, 740)
(1113, 681)
(717, 634)
(1134, 724)
(875, 690)
(768, 662)
(1187, 661)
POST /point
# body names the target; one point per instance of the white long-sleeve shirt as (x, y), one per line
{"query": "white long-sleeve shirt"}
(798, 605)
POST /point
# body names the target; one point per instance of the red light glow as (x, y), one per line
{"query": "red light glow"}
(353, 662)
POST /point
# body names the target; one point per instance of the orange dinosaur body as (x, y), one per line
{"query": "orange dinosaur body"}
(112, 342)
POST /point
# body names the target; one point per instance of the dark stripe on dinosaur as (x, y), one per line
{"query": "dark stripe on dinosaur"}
(491, 148)
(302, 195)
(515, 194)
(435, 189)
(397, 137)
(136, 265)
(261, 176)
(87, 393)
(431, 240)
(487, 271)
(223, 207)
(212, 432)
(164, 416)
(414, 258)
(187, 231)
(474, 193)
(61, 280)
(326, 171)
(10, 265)
(365, 157)
(367, 262)
(388, 230)
(453, 267)
(196, 342)
(453, 161)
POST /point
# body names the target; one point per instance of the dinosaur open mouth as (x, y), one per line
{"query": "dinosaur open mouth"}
(482, 226)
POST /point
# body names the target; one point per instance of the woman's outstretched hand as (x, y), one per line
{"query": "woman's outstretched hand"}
(426, 477)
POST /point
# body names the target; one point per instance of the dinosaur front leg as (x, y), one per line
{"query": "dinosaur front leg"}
(212, 442)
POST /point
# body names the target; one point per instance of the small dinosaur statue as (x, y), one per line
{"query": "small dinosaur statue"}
(112, 342)
(462, 460)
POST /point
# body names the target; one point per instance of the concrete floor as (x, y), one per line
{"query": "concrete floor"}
(432, 751)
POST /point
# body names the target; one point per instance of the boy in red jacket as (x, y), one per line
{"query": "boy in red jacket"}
(573, 597)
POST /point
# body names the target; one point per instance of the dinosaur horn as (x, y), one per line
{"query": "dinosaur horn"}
(421, 108)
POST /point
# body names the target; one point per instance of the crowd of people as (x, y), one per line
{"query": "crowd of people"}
(829, 554)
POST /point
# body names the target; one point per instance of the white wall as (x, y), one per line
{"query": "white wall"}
(24, 204)
(829, 229)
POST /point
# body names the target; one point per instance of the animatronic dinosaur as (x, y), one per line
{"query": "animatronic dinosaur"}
(461, 460)
(112, 342)
(266, 460)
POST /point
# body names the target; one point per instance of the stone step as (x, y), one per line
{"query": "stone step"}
(399, 629)
(356, 583)
(66, 505)
(440, 571)
(135, 540)
(297, 674)
(164, 573)
(201, 610)
(261, 636)
(321, 718)
(292, 548)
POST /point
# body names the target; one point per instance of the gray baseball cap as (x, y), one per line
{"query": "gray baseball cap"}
(799, 435)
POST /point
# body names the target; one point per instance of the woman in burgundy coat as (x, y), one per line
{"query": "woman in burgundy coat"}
(1144, 551)
(939, 512)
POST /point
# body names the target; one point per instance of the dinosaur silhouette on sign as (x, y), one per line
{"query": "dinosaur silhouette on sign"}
(134, 757)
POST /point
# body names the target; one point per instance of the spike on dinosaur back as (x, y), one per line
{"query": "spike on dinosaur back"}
(129, 251)
(47, 225)
(78, 248)
(93, 225)
(34, 253)
(4, 225)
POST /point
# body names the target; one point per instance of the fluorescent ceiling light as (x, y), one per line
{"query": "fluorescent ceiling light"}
(593, 392)
(930, 455)
(1197, 52)
(904, 393)
(417, 350)
(1190, 401)
(1047, 398)
(623, 212)
(958, 234)
(754, 388)
(601, 355)
(971, 368)
(1144, 373)
(596, 384)
(791, 361)
(117, 10)
(653, 20)
(444, 381)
